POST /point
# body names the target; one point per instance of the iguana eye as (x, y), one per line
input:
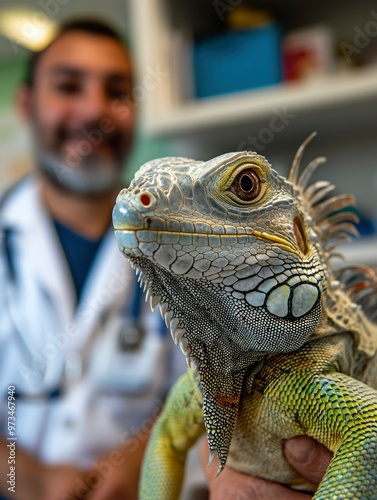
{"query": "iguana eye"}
(246, 185)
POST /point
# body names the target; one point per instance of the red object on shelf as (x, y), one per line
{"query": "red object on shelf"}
(307, 53)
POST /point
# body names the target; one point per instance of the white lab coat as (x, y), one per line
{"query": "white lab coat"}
(46, 344)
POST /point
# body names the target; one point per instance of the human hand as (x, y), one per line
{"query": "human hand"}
(308, 457)
(116, 474)
(122, 482)
(113, 476)
(60, 482)
(106, 481)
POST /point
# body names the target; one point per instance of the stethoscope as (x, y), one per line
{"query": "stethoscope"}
(131, 335)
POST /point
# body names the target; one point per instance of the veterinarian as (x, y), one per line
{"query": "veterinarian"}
(83, 363)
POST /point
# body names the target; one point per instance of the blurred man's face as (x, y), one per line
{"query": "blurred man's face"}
(82, 112)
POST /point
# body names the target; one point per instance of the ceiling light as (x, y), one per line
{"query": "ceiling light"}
(32, 29)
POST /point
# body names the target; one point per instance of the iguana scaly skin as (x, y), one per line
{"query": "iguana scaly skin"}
(238, 257)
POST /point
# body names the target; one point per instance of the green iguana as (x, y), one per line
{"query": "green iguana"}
(278, 343)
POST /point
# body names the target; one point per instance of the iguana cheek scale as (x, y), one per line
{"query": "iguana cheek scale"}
(237, 257)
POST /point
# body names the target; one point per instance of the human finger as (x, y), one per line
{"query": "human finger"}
(308, 457)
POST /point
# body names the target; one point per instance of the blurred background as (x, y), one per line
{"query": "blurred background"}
(226, 75)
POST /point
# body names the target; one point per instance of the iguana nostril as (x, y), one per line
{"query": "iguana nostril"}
(145, 199)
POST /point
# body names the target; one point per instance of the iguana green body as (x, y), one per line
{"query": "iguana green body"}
(238, 259)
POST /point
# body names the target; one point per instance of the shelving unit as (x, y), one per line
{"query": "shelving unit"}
(165, 113)
(342, 106)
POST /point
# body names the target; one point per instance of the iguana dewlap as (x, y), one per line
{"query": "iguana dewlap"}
(238, 258)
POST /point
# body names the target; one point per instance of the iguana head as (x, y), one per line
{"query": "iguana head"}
(236, 256)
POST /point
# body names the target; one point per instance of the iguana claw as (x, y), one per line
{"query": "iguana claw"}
(219, 470)
(211, 457)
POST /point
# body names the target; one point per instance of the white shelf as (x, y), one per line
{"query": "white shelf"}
(251, 106)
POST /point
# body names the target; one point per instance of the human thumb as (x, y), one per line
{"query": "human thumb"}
(308, 457)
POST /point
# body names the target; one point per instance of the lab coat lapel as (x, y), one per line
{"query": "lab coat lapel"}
(43, 256)
(107, 288)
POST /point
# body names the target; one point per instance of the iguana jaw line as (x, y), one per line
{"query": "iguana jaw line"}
(283, 243)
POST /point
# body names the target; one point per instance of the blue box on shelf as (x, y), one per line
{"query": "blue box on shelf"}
(237, 60)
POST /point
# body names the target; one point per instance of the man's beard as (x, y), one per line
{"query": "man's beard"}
(93, 175)
(92, 178)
